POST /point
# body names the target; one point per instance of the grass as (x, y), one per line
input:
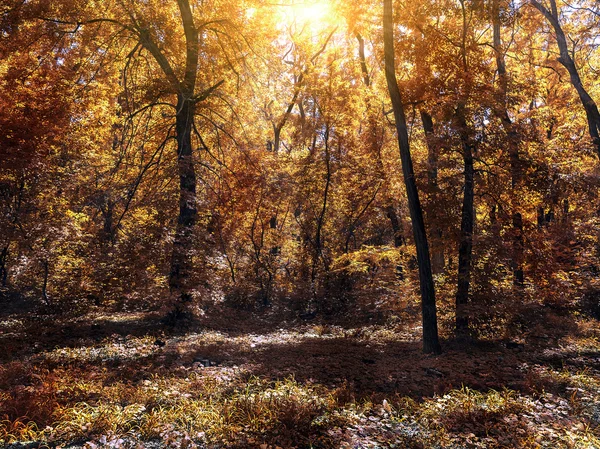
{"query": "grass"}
(122, 392)
(202, 409)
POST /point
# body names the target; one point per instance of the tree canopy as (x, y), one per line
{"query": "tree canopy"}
(194, 153)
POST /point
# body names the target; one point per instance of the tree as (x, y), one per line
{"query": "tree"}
(176, 49)
(512, 137)
(566, 58)
(430, 332)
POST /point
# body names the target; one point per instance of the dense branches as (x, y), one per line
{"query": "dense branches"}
(193, 153)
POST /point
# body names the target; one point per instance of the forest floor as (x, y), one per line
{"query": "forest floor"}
(243, 380)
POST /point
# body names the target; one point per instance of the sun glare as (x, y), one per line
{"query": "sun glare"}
(315, 15)
(312, 12)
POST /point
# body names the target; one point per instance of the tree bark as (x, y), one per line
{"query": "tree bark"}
(181, 258)
(465, 248)
(429, 313)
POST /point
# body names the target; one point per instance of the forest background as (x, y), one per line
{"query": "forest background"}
(241, 157)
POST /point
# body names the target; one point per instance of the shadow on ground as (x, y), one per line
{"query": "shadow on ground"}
(362, 364)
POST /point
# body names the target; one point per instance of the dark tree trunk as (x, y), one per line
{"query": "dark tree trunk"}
(467, 222)
(513, 150)
(363, 60)
(437, 250)
(108, 229)
(518, 276)
(540, 217)
(431, 342)
(465, 248)
(591, 109)
(277, 138)
(318, 249)
(181, 259)
(3, 268)
(181, 256)
(398, 237)
(45, 282)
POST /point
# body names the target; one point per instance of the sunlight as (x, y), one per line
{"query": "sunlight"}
(313, 16)
(312, 13)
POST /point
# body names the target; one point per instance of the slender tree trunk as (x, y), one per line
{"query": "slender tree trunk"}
(591, 109)
(398, 235)
(45, 282)
(3, 268)
(375, 140)
(467, 223)
(363, 60)
(513, 150)
(430, 331)
(108, 229)
(181, 259)
(391, 214)
(437, 250)
(318, 250)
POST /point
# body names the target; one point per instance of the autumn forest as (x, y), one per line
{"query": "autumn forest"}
(299, 224)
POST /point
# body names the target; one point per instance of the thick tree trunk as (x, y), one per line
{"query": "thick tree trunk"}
(430, 331)
(276, 138)
(181, 258)
(465, 248)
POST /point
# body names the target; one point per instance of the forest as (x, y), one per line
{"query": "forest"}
(294, 224)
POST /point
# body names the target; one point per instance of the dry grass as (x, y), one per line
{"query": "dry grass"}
(123, 391)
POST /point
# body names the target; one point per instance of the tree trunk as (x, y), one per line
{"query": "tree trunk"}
(591, 109)
(318, 249)
(398, 237)
(513, 151)
(45, 282)
(181, 259)
(363, 60)
(518, 276)
(276, 138)
(430, 331)
(181, 256)
(437, 250)
(465, 248)
(107, 234)
(3, 268)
